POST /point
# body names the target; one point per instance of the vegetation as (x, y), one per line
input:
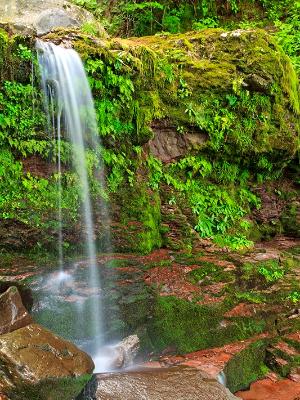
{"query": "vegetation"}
(200, 134)
(190, 326)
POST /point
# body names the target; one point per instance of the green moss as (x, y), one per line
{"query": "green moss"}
(189, 326)
(208, 273)
(291, 219)
(139, 229)
(247, 366)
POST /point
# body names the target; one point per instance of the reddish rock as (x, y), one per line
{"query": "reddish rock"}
(295, 375)
(294, 336)
(285, 348)
(211, 362)
(13, 315)
(33, 355)
(241, 310)
(267, 389)
(173, 281)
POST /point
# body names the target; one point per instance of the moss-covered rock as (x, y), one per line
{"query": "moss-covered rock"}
(291, 219)
(187, 326)
(137, 210)
(246, 366)
(229, 101)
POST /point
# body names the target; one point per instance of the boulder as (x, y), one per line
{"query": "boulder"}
(177, 383)
(17, 281)
(35, 362)
(13, 315)
(126, 351)
(41, 17)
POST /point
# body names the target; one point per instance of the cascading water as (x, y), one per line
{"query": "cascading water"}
(71, 114)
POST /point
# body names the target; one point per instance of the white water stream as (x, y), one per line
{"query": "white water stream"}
(71, 114)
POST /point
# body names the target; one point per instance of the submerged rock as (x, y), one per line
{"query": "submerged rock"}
(13, 314)
(35, 362)
(177, 383)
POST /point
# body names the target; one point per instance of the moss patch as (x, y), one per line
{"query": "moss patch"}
(189, 327)
(247, 366)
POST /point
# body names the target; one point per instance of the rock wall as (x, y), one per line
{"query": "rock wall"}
(193, 126)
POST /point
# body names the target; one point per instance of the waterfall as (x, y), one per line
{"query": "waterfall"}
(71, 114)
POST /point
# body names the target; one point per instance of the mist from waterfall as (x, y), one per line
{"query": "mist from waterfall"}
(71, 115)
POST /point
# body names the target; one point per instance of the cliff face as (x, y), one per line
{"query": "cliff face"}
(200, 133)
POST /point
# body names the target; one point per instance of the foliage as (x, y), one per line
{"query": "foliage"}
(233, 242)
(158, 79)
(288, 34)
(251, 297)
(18, 119)
(24, 52)
(138, 17)
(217, 208)
(294, 297)
(271, 271)
(27, 198)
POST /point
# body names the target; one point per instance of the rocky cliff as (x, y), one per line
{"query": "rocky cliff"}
(200, 139)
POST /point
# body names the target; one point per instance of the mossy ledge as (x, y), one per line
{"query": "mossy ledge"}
(228, 101)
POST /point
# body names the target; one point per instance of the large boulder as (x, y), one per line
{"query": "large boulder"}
(13, 315)
(178, 383)
(40, 17)
(34, 363)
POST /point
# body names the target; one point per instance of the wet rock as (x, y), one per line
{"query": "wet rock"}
(284, 389)
(178, 383)
(24, 292)
(235, 364)
(13, 315)
(126, 351)
(41, 17)
(35, 361)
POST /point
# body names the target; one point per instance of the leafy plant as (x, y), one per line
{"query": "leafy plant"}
(251, 297)
(24, 52)
(294, 297)
(233, 242)
(271, 271)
